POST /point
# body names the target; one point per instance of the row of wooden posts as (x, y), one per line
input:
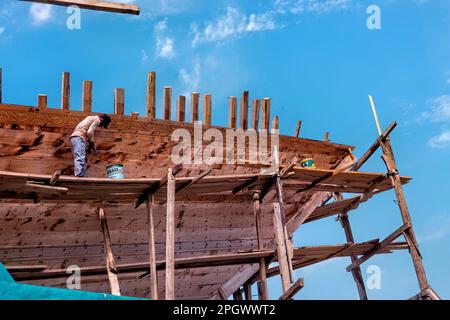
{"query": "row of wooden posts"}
(260, 108)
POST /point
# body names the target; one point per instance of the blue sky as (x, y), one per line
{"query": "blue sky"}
(316, 59)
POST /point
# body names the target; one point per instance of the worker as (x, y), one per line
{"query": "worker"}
(82, 141)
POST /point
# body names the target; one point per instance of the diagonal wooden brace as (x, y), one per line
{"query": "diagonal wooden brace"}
(397, 233)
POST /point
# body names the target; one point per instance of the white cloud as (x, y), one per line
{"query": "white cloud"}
(164, 43)
(440, 141)
(439, 110)
(40, 13)
(318, 6)
(190, 80)
(233, 24)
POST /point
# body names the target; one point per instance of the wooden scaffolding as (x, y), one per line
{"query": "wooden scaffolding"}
(263, 209)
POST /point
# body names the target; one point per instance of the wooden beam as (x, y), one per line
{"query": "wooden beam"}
(86, 104)
(297, 130)
(193, 181)
(42, 187)
(244, 111)
(155, 187)
(256, 106)
(119, 101)
(170, 237)
(265, 114)
(181, 109)
(287, 169)
(110, 262)
(65, 91)
(207, 109)
(151, 95)
(167, 103)
(152, 248)
(42, 101)
(232, 112)
(326, 137)
(282, 254)
(397, 233)
(293, 290)
(374, 147)
(195, 97)
(107, 6)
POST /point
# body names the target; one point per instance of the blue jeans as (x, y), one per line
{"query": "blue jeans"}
(79, 156)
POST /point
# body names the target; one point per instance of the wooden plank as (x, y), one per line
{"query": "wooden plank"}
(256, 106)
(281, 248)
(397, 233)
(293, 290)
(41, 187)
(244, 111)
(265, 114)
(42, 101)
(170, 237)
(374, 147)
(207, 109)
(297, 130)
(151, 95)
(98, 5)
(326, 137)
(181, 109)
(65, 91)
(195, 97)
(167, 103)
(119, 101)
(86, 104)
(110, 262)
(152, 248)
(232, 112)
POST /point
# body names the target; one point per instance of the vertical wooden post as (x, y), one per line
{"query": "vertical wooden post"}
(181, 109)
(248, 291)
(297, 131)
(42, 101)
(65, 91)
(244, 111)
(232, 112)
(281, 248)
(262, 283)
(87, 96)
(151, 95)
(1, 78)
(280, 198)
(207, 109)
(388, 156)
(265, 114)
(167, 103)
(391, 165)
(356, 272)
(275, 124)
(110, 263)
(326, 136)
(195, 97)
(256, 106)
(170, 237)
(119, 101)
(152, 248)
